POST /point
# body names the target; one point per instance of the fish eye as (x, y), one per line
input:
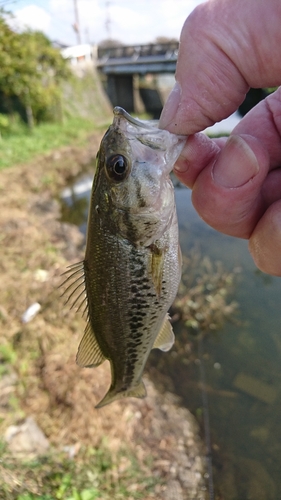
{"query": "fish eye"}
(117, 167)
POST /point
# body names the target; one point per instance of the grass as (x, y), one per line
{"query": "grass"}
(92, 474)
(23, 146)
(85, 110)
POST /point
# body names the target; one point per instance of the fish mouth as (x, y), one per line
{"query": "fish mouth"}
(120, 112)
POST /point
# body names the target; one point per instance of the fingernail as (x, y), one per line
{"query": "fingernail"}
(236, 164)
(171, 106)
(185, 159)
(181, 165)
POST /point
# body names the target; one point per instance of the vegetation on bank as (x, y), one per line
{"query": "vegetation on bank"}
(84, 109)
(22, 146)
(117, 452)
(94, 474)
(43, 105)
(31, 73)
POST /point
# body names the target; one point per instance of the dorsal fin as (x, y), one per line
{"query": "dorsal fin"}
(165, 338)
(89, 353)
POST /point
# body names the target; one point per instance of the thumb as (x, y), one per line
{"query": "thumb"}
(213, 75)
(208, 85)
(227, 193)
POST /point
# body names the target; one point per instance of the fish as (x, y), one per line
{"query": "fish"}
(132, 266)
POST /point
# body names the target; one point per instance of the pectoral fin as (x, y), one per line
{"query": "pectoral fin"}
(157, 266)
(74, 287)
(89, 353)
(180, 257)
(165, 338)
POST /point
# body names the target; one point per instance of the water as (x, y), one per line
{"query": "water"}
(245, 429)
(244, 421)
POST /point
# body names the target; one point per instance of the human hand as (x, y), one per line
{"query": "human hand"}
(226, 47)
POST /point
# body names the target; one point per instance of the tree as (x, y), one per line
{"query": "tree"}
(165, 39)
(108, 43)
(31, 69)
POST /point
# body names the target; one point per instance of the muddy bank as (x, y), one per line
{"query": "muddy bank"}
(37, 359)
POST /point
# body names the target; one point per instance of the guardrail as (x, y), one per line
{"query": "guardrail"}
(133, 53)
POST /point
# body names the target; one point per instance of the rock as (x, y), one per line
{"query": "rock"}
(258, 482)
(255, 387)
(173, 491)
(245, 478)
(261, 433)
(26, 439)
(31, 312)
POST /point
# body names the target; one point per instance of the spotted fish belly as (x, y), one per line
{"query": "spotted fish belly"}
(127, 309)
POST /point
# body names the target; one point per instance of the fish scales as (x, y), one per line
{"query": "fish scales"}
(132, 265)
(130, 296)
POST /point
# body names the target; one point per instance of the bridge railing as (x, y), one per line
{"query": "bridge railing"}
(136, 51)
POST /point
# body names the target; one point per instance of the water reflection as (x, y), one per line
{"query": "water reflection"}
(242, 365)
(75, 202)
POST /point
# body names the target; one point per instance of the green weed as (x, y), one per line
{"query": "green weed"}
(22, 146)
(7, 353)
(93, 474)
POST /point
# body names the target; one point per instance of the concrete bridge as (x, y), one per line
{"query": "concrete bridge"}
(121, 65)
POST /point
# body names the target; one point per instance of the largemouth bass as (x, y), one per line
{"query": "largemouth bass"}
(132, 266)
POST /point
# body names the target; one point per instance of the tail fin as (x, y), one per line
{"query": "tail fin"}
(112, 395)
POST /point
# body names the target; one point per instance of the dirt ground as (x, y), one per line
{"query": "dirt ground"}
(39, 376)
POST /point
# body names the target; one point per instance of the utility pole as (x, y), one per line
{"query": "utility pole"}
(76, 25)
(108, 19)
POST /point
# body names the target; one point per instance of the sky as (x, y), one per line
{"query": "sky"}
(129, 21)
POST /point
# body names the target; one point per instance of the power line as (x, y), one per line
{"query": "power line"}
(4, 3)
(108, 19)
(76, 25)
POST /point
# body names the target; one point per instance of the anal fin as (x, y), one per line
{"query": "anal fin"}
(165, 338)
(89, 353)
